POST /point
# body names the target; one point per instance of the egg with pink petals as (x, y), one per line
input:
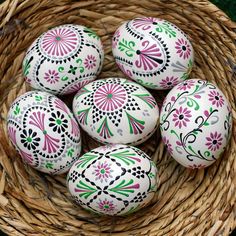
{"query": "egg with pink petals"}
(63, 59)
(153, 52)
(113, 180)
(196, 123)
(116, 110)
(44, 132)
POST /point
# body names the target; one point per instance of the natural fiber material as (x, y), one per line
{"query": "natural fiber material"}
(199, 202)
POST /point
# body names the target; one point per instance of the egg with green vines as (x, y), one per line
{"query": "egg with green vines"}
(153, 52)
(44, 132)
(63, 59)
(196, 123)
(113, 180)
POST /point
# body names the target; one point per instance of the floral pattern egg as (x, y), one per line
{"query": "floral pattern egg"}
(153, 52)
(116, 110)
(44, 132)
(196, 122)
(63, 59)
(113, 180)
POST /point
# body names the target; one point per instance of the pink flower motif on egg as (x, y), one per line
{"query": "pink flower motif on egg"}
(106, 206)
(102, 171)
(59, 41)
(110, 97)
(183, 48)
(216, 98)
(115, 39)
(194, 166)
(168, 145)
(51, 76)
(214, 141)
(145, 22)
(169, 82)
(181, 117)
(90, 62)
(188, 84)
(50, 144)
(149, 56)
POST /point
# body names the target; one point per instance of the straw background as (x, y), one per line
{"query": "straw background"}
(188, 202)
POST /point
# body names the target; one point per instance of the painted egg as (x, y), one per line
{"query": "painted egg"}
(113, 180)
(195, 123)
(116, 110)
(153, 52)
(44, 132)
(63, 59)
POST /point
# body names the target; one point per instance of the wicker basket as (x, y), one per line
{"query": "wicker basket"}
(188, 202)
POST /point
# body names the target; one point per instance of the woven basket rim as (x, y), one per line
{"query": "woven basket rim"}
(194, 202)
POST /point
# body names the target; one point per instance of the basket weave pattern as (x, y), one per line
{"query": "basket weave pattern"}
(188, 202)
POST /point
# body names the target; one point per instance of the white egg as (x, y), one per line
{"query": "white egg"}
(63, 59)
(113, 180)
(44, 132)
(116, 110)
(196, 122)
(153, 52)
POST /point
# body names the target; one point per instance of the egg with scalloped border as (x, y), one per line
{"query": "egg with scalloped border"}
(116, 110)
(154, 52)
(113, 180)
(63, 59)
(44, 132)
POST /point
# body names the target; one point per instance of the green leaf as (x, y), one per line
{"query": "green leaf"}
(17, 110)
(38, 98)
(70, 152)
(127, 47)
(49, 165)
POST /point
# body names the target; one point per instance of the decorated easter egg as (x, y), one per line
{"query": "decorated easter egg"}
(152, 51)
(113, 180)
(116, 110)
(44, 132)
(195, 123)
(63, 59)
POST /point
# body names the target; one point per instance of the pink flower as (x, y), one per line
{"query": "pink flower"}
(168, 145)
(90, 62)
(216, 98)
(102, 171)
(181, 117)
(59, 41)
(145, 23)
(150, 56)
(169, 82)
(110, 97)
(183, 48)
(51, 76)
(186, 85)
(194, 166)
(214, 141)
(106, 205)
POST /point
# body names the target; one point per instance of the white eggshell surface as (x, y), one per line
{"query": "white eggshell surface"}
(196, 122)
(116, 110)
(44, 132)
(113, 180)
(63, 59)
(153, 52)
